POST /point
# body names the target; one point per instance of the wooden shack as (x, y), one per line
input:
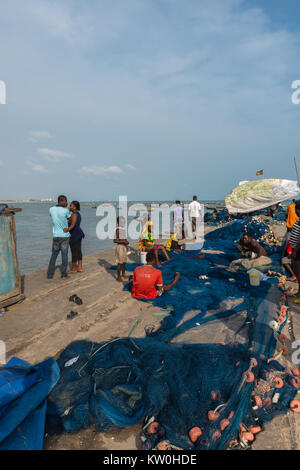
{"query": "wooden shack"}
(10, 279)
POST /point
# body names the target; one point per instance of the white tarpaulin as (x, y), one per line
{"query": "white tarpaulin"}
(251, 196)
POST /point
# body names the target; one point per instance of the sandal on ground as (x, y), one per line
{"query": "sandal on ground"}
(76, 299)
(71, 315)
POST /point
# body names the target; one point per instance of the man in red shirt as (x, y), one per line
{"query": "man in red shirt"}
(147, 280)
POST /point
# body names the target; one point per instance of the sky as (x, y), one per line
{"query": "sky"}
(152, 99)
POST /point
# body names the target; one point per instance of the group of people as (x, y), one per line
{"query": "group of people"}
(66, 232)
(147, 282)
(250, 248)
(291, 259)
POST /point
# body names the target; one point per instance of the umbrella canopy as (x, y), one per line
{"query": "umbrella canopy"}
(251, 196)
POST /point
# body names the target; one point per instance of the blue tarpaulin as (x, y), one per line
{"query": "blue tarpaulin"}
(23, 401)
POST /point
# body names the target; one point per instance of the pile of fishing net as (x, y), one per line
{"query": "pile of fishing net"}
(186, 395)
(261, 231)
(219, 217)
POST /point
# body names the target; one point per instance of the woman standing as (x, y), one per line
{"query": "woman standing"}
(76, 236)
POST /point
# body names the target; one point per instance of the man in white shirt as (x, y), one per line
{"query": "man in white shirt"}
(195, 214)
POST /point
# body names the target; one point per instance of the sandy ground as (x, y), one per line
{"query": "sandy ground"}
(38, 328)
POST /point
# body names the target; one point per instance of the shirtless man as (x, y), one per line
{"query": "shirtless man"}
(248, 247)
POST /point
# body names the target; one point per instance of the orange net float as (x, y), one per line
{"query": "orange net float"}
(249, 376)
(195, 433)
(258, 401)
(280, 320)
(152, 428)
(283, 309)
(255, 429)
(283, 349)
(295, 382)
(278, 382)
(267, 401)
(295, 406)
(247, 436)
(231, 415)
(224, 423)
(254, 362)
(282, 338)
(216, 435)
(213, 415)
(295, 371)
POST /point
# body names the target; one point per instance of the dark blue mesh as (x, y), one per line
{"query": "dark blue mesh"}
(125, 381)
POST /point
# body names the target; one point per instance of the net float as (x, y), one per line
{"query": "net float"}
(295, 406)
(278, 382)
(280, 320)
(282, 338)
(224, 423)
(230, 416)
(253, 362)
(295, 382)
(195, 433)
(258, 401)
(255, 429)
(247, 436)
(295, 371)
(283, 349)
(152, 428)
(267, 401)
(213, 415)
(216, 435)
(249, 376)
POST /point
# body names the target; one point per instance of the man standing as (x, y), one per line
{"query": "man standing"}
(59, 215)
(178, 219)
(195, 214)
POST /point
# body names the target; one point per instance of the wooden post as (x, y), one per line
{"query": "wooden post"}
(297, 172)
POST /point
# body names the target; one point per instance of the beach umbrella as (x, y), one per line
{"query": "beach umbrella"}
(251, 196)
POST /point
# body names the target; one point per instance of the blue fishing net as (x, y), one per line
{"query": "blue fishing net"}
(172, 386)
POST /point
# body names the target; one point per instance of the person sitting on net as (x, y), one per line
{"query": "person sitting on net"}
(147, 243)
(147, 282)
(250, 248)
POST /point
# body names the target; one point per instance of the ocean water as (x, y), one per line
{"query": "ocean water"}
(34, 234)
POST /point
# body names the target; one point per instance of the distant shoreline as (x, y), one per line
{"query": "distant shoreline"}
(22, 201)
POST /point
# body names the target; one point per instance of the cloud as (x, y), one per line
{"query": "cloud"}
(192, 87)
(130, 167)
(35, 136)
(36, 167)
(53, 155)
(102, 170)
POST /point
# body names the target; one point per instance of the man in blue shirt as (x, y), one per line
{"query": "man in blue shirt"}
(59, 215)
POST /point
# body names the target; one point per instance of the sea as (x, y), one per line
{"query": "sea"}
(34, 232)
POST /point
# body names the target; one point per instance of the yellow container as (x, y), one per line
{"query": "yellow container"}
(254, 279)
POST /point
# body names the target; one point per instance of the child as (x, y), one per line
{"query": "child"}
(121, 249)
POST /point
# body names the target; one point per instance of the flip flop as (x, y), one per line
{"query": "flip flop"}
(76, 299)
(71, 315)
